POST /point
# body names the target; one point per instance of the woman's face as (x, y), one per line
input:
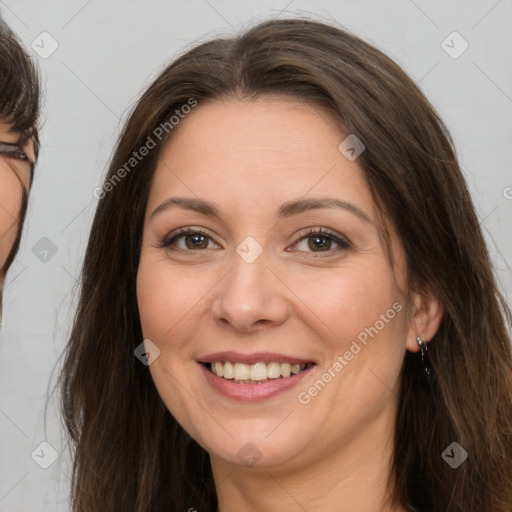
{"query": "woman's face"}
(261, 254)
(16, 161)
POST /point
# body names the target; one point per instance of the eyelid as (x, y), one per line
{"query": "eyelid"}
(315, 230)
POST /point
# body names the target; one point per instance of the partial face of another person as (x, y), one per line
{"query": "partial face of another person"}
(262, 257)
(16, 160)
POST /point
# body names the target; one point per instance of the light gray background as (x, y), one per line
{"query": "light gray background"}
(108, 52)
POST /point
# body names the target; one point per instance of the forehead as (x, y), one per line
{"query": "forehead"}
(280, 125)
(258, 149)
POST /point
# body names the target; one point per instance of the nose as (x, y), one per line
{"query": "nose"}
(250, 297)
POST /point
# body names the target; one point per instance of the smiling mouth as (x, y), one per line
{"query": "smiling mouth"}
(258, 373)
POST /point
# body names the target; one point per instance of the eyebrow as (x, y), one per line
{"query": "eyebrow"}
(286, 210)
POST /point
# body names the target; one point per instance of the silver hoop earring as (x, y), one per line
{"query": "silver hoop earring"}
(424, 355)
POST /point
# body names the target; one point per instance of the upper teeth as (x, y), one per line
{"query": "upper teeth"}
(257, 371)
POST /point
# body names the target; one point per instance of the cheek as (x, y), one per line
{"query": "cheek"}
(10, 205)
(362, 321)
(366, 315)
(10, 194)
(167, 299)
(349, 301)
(166, 303)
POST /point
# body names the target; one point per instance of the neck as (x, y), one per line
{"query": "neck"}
(355, 477)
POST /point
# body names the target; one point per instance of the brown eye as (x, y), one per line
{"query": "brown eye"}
(189, 240)
(316, 243)
(196, 241)
(322, 241)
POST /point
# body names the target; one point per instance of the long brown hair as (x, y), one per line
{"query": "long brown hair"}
(19, 107)
(130, 453)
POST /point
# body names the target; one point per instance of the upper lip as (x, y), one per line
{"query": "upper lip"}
(256, 357)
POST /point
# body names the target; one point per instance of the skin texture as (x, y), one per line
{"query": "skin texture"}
(14, 176)
(249, 157)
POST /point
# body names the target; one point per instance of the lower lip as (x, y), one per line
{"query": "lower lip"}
(252, 392)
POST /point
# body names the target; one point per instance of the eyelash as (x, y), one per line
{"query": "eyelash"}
(343, 243)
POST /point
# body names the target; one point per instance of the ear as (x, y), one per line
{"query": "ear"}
(426, 314)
